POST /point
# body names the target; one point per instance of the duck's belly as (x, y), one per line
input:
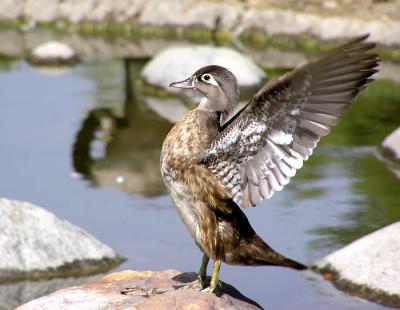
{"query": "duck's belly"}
(186, 208)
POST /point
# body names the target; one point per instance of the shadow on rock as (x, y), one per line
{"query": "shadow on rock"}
(223, 289)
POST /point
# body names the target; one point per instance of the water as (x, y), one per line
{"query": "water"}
(85, 145)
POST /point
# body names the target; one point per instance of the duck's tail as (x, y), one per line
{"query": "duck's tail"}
(255, 252)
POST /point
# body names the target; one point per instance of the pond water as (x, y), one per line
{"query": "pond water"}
(85, 145)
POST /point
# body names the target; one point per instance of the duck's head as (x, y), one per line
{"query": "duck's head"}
(217, 84)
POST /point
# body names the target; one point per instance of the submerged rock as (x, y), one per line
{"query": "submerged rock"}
(178, 63)
(391, 151)
(368, 267)
(142, 289)
(391, 144)
(53, 53)
(35, 244)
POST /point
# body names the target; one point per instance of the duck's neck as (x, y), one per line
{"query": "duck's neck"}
(222, 105)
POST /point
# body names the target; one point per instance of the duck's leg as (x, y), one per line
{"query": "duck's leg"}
(197, 284)
(203, 270)
(215, 276)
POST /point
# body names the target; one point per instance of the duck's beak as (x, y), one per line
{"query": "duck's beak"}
(188, 83)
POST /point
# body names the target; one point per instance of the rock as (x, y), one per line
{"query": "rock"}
(329, 20)
(368, 267)
(35, 10)
(277, 21)
(391, 144)
(11, 10)
(178, 63)
(208, 15)
(53, 53)
(13, 294)
(35, 244)
(142, 289)
(391, 151)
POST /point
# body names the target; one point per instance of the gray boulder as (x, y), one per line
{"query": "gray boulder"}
(368, 267)
(35, 244)
(178, 63)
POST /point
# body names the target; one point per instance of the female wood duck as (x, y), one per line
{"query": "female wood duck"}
(212, 169)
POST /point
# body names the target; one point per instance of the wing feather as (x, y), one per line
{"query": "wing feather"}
(262, 147)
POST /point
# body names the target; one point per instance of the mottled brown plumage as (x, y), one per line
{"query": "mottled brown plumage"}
(211, 169)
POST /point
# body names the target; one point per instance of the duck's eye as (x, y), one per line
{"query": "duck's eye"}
(206, 77)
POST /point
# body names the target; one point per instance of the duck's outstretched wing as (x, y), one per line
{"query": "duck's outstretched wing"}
(261, 149)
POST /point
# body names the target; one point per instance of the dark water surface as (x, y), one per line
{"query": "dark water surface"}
(85, 145)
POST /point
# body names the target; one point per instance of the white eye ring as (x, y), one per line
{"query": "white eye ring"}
(209, 79)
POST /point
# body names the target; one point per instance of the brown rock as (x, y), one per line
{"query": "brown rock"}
(142, 290)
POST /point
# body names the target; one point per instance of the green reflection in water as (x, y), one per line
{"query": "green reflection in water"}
(374, 115)
(378, 206)
(7, 62)
(371, 118)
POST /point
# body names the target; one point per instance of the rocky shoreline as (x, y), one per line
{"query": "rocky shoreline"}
(230, 19)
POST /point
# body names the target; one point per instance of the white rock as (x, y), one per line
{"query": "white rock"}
(335, 27)
(189, 14)
(392, 143)
(34, 239)
(178, 63)
(53, 51)
(372, 261)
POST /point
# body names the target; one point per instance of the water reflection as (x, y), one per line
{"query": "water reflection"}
(372, 195)
(123, 151)
(375, 204)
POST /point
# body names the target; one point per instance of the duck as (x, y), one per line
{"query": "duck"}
(214, 164)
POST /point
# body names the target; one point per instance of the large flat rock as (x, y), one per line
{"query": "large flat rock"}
(368, 267)
(35, 244)
(141, 290)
